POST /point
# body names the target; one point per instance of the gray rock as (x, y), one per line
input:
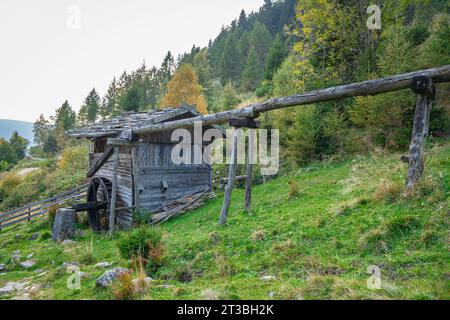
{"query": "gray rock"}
(67, 242)
(28, 264)
(7, 290)
(2, 267)
(15, 257)
(34, 236)
(110, 276)
(30, 256)
(64, 225)
(268, 278)
(102, 265)
(38, 271)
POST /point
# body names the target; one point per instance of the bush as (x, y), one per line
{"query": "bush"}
(143, 243)
(293, 190)
(123, 289)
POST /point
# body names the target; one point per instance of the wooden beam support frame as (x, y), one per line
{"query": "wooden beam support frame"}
(425, 90)
(231, 176)
(134, 161)
(112, 213)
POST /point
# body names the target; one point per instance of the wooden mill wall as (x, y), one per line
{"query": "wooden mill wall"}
(155, 166)
(124, 218)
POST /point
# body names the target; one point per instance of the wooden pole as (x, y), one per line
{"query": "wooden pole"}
(426, 129)
(230, 182)
(251, 154)
(112, 213)
(135, 177)
(366, 88)
(416, 156)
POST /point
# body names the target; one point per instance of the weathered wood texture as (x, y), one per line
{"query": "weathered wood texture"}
(366, 88)
(416, 153)
(231, 176)
(156, 169)
(112, 212)
(124, 185)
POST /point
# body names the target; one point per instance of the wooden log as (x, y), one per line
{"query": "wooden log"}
(366, 88)
(112, 213)
(134, 162)
(416, 156)
(231, 176)
(423, 85)
(101, 161)
(249, 170)
(244, 123)
(426, 129)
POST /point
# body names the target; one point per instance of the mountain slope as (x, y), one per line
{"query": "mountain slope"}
(345, 218)
(25, 129)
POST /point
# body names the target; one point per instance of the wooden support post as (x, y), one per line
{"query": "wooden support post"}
(423, 87)
(29, 214)
(230, 182)
(251, 155)
(134, 161)
(426, 129)
(112, 213)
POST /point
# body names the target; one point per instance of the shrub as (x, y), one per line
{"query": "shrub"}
(144, 242)
(123, 289)
(293, 190)
(258, 235)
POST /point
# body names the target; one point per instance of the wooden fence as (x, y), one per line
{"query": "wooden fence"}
(39, 208)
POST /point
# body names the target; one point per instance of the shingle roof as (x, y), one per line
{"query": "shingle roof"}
(129, 120)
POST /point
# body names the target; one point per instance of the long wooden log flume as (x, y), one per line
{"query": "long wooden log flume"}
(365, 88)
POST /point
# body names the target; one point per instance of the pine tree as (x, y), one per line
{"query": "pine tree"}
(230, 63)
(19, 144)
(89, 111)
(230, 98)
(253, 72)
(132, 99)
(65, 117)
(184, 88)
(275, 58)
(261, 39)
(110, 103)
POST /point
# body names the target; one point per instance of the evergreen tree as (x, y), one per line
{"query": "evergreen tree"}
(230, 98)
(275, 58)
(242, 19)
(65, 117)
(230, 63)
(51, 145)
(110, 103)
(261, 40)
(253, 72)
(89, 111)
(132, 99)
(8, 155)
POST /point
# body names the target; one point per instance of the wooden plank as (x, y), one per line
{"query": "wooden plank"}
(230, 183)
(366, 88)
(249, 170)
(112, 213)
(416, 154)
(100, 162)
(135, 177)
(244, 123)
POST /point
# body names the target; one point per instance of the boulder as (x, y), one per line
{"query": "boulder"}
(34, 236)
(7, 290)
(64, 225)
(268, 278)
(28, 264)
(110, 276)
(67, 242)
(102, 265)
(2, 267)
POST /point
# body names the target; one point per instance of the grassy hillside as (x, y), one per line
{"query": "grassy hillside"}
(25, 129)
(318, 242)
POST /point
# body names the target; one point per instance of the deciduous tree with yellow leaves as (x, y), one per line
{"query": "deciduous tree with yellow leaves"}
(184, 88)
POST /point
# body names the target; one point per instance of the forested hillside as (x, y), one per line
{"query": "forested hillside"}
(291, 47)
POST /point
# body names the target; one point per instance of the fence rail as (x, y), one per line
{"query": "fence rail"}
(39, 208)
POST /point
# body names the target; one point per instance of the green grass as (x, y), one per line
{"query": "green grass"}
(318, 244)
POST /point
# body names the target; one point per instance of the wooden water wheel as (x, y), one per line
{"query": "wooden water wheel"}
(99, 191)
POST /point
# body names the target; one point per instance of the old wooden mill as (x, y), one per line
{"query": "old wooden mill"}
(140, 174)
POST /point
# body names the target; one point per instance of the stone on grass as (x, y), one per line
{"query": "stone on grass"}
(2, 267)
(64, 225)
(7, 290)
(30, 256)
(67, 242)
(110, 276)
(28, 264)
(34, 236)
(102, 265)
(268, 278)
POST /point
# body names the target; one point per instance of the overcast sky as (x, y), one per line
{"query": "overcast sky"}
(49, 52)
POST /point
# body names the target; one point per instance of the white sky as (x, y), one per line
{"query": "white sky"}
(45, 58)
